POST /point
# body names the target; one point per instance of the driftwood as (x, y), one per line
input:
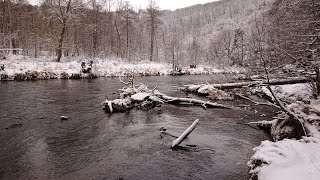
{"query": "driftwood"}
(185, 134)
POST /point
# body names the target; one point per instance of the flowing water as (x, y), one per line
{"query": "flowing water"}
(36, 144)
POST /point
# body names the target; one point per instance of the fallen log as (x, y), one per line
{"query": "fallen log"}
(196, 102)
(295, 80)
(185, 134)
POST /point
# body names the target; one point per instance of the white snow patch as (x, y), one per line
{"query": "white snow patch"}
(288, 159)
(140, 96)
(291, 92)
(205, 89)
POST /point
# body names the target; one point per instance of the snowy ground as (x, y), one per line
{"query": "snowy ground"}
(287, 160)
(101, 67)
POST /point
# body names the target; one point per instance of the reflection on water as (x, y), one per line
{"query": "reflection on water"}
(95, 145)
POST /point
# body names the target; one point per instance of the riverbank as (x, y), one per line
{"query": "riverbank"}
(290, 158)
(26, 68)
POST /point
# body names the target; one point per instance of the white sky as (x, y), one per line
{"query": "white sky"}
(163, 4)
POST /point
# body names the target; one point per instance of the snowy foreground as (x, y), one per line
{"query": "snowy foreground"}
(291, 159)
(46, 68)
(287, 160)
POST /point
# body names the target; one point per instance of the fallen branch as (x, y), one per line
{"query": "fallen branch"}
(262, 123)
(283, 108)
(257, 103)
(289, 113)
(185, 134)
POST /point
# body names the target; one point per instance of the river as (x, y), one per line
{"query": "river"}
(36, 144)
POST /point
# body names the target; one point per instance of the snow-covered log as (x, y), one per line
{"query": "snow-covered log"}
(204, 88)
(196, 102)
(185, 134)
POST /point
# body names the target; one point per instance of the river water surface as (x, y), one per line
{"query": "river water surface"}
(36, 144)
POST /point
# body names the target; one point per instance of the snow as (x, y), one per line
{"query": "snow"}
(310, 114)
(110, 106)
(205, 89)
(101, 67)
(291, 92)
(287, 160)
(140, 96)
(202, 69)
(193, 88)
(122, 102)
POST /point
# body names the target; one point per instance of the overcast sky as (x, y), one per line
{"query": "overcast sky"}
(163, 4)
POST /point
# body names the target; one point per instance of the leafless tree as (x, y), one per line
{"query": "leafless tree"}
(153, 14)
(64, 11)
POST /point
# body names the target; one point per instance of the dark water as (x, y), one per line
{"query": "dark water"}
(36, 144)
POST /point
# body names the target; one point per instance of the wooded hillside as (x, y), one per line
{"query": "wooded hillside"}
(217, 32)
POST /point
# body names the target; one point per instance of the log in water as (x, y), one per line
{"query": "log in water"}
(185, 134)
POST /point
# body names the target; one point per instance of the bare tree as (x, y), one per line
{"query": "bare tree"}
(129, 15)
(194, 51)
(226, 37)
(153, 14)
(239, 46)
(64, 11)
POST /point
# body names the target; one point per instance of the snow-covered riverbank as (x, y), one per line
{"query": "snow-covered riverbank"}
(46, 68)
(285, 159)
(291, 159)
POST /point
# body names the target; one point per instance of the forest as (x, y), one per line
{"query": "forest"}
(220, 32)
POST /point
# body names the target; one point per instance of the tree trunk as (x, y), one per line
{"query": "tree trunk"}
(119, 53)
(317, 80)
(127, 24)
(59, 50)
(152, 38)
